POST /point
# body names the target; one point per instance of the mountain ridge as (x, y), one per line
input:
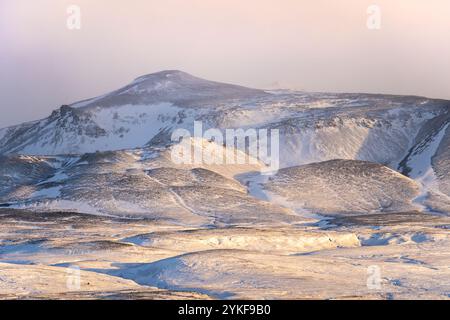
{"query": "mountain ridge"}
(314, 127)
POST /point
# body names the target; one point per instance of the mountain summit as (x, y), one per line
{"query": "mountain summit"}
(172, 86)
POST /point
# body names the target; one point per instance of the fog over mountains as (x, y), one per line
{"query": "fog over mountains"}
(366, 157)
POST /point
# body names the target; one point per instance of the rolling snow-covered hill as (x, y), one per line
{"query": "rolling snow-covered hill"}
(343, 186)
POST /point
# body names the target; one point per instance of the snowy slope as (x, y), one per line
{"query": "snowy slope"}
(72, 131)
(342, 187)
(428, 163)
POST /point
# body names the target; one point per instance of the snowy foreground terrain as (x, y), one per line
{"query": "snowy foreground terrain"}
(92, 204)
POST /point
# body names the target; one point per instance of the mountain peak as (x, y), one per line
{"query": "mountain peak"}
(172, 86)
(165, 78)
(164, 74)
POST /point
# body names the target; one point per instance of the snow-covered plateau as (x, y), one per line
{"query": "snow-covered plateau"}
(93, 206)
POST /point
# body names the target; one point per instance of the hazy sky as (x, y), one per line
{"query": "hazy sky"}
(316, 45)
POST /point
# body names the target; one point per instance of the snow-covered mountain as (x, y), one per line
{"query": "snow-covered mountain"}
(171, 86)
(313, 126)
(126, 118)
(407, 134)
(364, 182)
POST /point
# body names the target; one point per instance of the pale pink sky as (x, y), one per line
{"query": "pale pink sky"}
(315, 45)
